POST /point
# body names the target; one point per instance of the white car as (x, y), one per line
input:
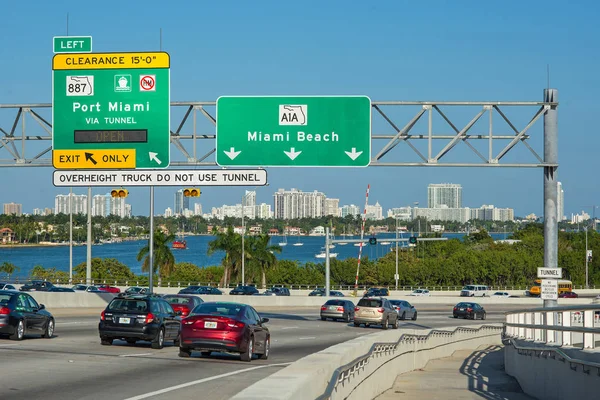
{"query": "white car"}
(7, 286)
(420, 292)
(501, 294)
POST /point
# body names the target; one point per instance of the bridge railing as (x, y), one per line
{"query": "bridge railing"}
(566, 326)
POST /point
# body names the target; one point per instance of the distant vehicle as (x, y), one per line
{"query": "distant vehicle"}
(568, 295)
(420, 292)
(200, 290)
(20, 315)
(85, 288)
(564, 286)
(183, 302)
(60, 289)
(475, 291)
(277, 291)
(377, 292)
(318, 292)
(6, 286)
(225, 327)
(338, 310)
(36, 285)
(136, 290)
(404, 309)
(375, 311)
(469, 310)
(244, 290)
(501, 294)
(139, 317)
(108, 289)
(335, 293)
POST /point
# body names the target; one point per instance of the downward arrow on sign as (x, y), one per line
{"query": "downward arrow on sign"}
(292, 154)
(353, 154)
(232, 153)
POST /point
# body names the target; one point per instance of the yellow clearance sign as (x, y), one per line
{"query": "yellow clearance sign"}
(94, 159)
(78, 61)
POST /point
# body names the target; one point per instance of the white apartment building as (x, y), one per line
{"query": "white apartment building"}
(101, 205)
(375, 212)
(444, 194)
(295, 204)
(332, 207)
(197, 209)
(350, 210)
(263, 211)
(13, 209)
(61, 204)
(168, 212)
(402, 213)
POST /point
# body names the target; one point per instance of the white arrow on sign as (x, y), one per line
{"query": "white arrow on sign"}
(153, 157)
(232, 153)
(292, 154)
(353, 154)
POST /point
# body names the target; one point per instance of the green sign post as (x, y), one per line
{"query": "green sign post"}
(72, 44)
(111, 110)
(299, 131)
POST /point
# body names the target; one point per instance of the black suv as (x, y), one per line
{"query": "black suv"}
(200, 290)
(244, 290)
(139, 317)
(38, 286)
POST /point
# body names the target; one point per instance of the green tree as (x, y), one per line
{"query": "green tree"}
(103, 269)
(230, 243)
(8, 267)
(262, 253)
(163, 261)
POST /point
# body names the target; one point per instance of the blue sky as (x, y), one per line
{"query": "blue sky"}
(386, 50)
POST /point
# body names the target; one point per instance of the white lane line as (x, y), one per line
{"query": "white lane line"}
(8, 344)
(136, 355)
(289, 327)
(212, 378)
(307, 338)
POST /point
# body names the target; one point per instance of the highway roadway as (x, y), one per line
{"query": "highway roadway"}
(73, 364)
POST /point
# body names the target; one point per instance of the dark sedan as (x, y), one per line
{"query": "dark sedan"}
(20, 315)
(469, 310)
(36, 285)
(225, 327)
(200, 290)
(61, 289)
(244, 290)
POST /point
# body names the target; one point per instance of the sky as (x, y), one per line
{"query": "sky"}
(387, 50)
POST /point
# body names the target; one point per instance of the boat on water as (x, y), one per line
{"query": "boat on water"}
(284, 243)
(385, 243)
(179, 245)
(323, 255)
(298, 243)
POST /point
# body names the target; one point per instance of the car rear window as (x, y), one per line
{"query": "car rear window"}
(369, 303)
(226, 310)
(178, 300)
(5, 298)
(466, 305)
(128, 305)
(334, 303)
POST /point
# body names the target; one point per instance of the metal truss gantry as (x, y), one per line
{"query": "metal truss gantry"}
(196, 144)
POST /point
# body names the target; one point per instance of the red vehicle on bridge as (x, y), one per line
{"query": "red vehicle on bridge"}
(108, 289)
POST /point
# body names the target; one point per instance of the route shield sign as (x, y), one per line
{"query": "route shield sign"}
(299, 131)
(111, 110)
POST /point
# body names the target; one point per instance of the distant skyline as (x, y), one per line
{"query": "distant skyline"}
(441, 52)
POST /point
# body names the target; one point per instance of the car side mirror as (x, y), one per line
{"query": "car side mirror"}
(412, 306)
(178, 312)
(42, 307)
(264, 320)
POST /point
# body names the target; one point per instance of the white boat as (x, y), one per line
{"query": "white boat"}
(284, 243)
(298, 243)
(323, 255)
(385, 243)
(342, 243)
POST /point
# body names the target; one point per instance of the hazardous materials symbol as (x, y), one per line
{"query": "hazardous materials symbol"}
(147, 83)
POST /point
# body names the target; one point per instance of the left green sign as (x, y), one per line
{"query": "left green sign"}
(72, 44)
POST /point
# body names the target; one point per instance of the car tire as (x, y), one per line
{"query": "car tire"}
(347, 319)
(159, 340)
(403, 316)
(19, 331)
(106, 341)
(131, 341)
(49, 331)
(455, 316)
(265, 355)
(323, 319)
(184, 352)
(177, 341)
(414, 317)
(247, 355)
(205, 353)
(357, 324)
(386, 323)
(483, 316)
(395, 325)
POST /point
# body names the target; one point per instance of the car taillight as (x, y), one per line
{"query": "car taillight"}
(102, 315)
(454, 308)
(235, 325)
(340, 309)
(323, 308)
(149, 318)
(469, 309)
(356, 308)
(4, 311)
(380, 310)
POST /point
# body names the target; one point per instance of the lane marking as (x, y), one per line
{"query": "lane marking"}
(8, 344)
(136, 355)
(289, 327)
(307, 338)
(212, 378)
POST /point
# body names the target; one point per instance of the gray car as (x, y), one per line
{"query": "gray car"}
(375, 311)
(404, 309)
(338, 310)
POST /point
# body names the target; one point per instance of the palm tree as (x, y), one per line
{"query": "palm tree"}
(8, 267)
(262, 253)
(231, 244)
(164, 261)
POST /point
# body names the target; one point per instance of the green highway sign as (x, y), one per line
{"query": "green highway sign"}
(72, 44)
(111, 110)
(298, 131)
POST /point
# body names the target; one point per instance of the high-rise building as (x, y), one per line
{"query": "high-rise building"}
(13, 208)
(295, 204)
(444, 194)
(197, 209)
(100, 205)
(375, 212)
(249, 204)
(350, 210)
(61, 204)
(332, 207)
(560, 204)
(263, 211)
(181, 202)
(168, 212)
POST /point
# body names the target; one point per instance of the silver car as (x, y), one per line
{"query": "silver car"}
(375, 311)
(404, 309)
(338, 310)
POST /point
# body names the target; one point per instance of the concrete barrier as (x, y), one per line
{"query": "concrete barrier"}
(367, 366)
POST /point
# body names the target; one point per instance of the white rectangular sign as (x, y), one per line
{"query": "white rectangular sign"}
(549, 289)
(546, 273)
(192, 177)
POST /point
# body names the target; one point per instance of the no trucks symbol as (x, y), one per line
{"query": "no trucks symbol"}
(147, 83)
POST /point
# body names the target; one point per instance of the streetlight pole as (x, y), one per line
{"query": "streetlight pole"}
(243, 248)
(587, 284)
(396, 276)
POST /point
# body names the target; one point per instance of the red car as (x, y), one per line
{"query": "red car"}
(183, 302)
(225, 328)
(108, 289)
(568, 295)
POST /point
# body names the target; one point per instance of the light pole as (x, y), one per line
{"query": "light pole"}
(243, 248)
(396, 276)
(587, 285)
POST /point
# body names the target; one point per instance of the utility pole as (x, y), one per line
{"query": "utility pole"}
(396, 276)
(243, 249)
(587, 282)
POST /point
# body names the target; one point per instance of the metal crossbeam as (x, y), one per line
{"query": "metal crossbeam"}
(194, 139)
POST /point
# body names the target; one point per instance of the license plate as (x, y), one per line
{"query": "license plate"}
(124, 320)
(462, 309)
(210, 325)
(332, 308)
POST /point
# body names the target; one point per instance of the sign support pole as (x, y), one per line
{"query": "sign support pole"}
(327, 263)
(71, 235)
(151, 243)
(550, 185)
(88, 269)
